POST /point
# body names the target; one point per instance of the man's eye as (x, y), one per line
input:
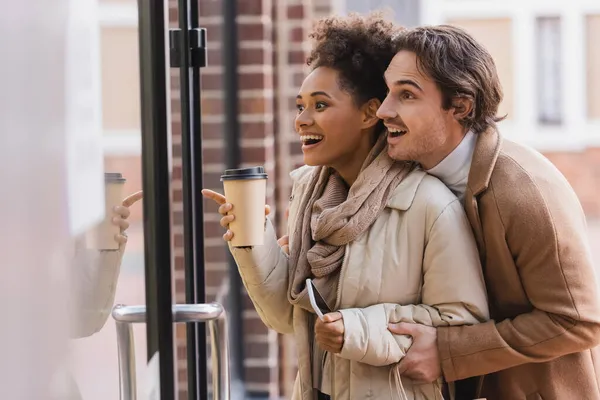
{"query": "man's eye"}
(320, 105)
(407, 95)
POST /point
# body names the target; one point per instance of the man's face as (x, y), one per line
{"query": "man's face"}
(420, 129)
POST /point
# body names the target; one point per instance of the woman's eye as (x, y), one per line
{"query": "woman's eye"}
(300, 108)
(407, 95)
(320, 105)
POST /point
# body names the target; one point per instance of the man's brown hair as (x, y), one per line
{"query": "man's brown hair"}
(460, 66)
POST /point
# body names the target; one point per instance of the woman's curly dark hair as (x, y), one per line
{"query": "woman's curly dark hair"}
(360, 48)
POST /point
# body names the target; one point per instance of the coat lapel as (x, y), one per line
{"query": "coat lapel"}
(484, 160)
(472, 211)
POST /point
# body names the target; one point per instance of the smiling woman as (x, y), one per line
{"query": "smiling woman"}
(380, 241)
(333, 130)
(338, 100)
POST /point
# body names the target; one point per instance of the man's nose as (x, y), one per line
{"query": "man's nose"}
(386, 110)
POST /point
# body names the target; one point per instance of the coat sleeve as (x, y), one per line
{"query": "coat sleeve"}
(264, 272)
(546, 233)
(95, 274)
(453, 293)
(265, 269)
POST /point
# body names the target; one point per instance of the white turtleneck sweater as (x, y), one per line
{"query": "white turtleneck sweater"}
(454, 169)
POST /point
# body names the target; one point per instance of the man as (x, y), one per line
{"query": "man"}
(441, 110)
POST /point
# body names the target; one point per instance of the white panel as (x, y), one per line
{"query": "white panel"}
(84, 137)
(34, 229)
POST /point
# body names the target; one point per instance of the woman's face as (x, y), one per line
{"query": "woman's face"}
(330, 125)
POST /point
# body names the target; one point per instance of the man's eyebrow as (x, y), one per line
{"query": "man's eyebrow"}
(408, 82)
(318, 93)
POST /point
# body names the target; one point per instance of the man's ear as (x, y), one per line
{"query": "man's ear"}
(462, 108)
(369, 110)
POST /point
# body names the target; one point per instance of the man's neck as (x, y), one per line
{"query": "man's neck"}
(453, 170)
(454, 140)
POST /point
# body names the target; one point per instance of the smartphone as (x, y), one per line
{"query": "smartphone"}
(312, 295)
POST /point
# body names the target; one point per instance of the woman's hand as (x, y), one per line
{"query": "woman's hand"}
(284, 243)
(329, 333)
(224, 209)
(122, 213)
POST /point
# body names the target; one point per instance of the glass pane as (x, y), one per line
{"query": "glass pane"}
(93, 358)
(73, 114)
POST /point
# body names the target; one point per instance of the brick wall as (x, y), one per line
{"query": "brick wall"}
(271, 58)
(292, 22)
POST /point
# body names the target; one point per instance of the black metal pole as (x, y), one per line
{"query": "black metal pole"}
(233, 160)
(198, 60)
(155, 177)
(188, 195)
(192, 182)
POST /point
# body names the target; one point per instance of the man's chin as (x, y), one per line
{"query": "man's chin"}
(399, 155)
(394, 153)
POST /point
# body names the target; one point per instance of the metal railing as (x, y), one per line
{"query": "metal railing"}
(212, 313)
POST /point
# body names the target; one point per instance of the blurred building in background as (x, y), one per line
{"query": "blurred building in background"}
(547, 55)
(548, 60)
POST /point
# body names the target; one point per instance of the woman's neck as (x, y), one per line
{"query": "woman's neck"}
(350, 169)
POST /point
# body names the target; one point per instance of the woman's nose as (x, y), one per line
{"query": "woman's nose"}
(303, 119)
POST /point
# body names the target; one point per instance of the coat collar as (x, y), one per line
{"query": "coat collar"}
(484, 160)
(403, 195)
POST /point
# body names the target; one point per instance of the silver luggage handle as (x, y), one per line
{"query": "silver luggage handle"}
(213, 313)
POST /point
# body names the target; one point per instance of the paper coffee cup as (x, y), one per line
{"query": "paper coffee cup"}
(102, 237)
(246, 190)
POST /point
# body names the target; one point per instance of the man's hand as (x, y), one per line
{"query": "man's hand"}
(422, 361)
(329, 333)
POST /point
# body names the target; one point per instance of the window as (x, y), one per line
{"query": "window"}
(496, 35)
(549, 71)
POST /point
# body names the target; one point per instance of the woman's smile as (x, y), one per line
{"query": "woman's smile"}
(310, 141)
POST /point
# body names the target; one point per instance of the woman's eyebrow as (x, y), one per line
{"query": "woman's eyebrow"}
(317, 93)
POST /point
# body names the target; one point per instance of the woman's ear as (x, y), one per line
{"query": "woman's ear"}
(462, 108)
(369, 110)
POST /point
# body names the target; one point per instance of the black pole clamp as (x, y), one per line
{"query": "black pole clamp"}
(198, 50)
